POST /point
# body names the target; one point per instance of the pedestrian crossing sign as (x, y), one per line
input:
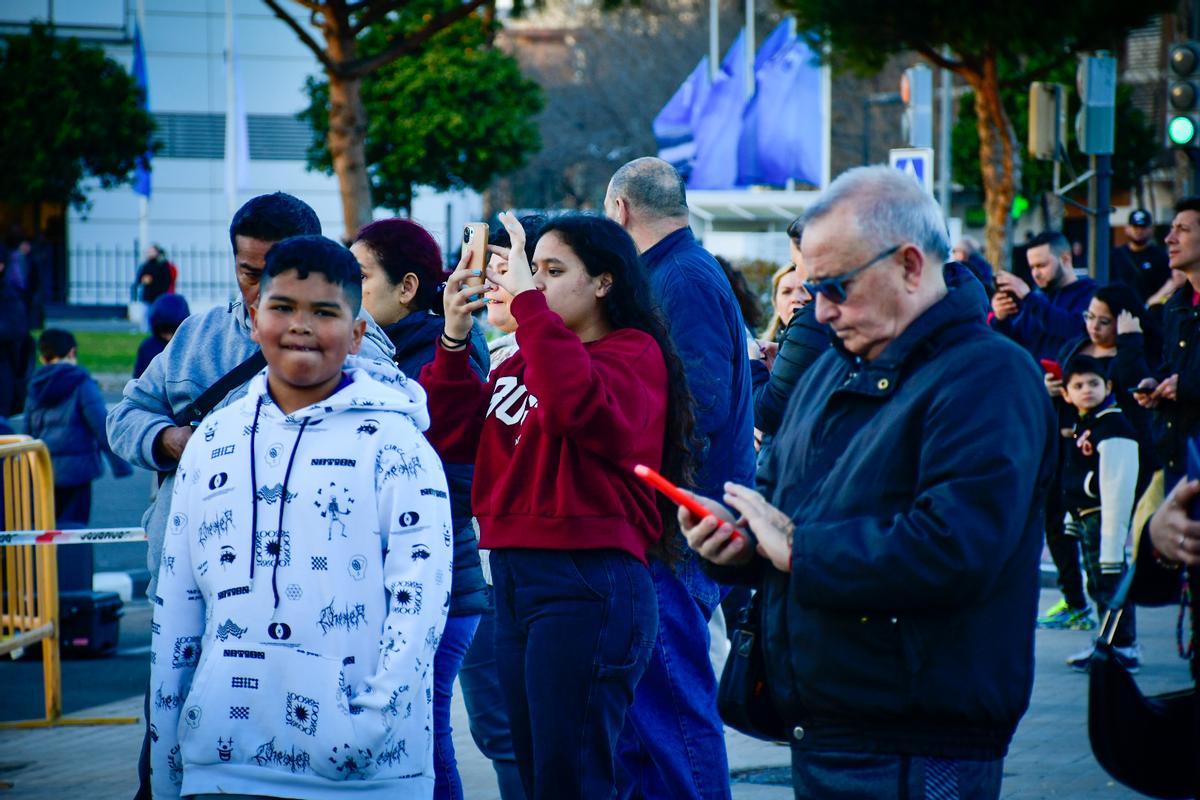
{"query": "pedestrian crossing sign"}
(916, 161)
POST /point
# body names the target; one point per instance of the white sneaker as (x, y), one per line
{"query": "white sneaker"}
(1129, 657)
(1081, 661)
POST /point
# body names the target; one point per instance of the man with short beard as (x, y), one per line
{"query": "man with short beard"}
(1045, 319)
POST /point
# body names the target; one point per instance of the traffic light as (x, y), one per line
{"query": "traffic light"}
(1183, 95)
(916, 90)
(1047, 119)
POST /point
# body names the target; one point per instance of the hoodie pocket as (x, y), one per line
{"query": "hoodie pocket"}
(276, 708)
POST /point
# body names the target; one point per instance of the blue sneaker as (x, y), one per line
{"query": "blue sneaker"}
(1062, 616)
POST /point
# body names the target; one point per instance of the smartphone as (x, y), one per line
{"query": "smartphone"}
(1052, 368)
(1140, 390)
(675, 494)
(475, 241)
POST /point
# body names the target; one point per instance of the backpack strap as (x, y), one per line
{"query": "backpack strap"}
(199, 408)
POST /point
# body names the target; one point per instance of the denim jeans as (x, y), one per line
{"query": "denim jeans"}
(485, 705)
(673, 745)
(818, 775)
(456, 638)
(574, 630)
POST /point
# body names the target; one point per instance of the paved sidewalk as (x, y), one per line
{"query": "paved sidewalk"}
(1050, 756)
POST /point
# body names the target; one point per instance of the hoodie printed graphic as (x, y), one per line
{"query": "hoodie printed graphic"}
(303, 590)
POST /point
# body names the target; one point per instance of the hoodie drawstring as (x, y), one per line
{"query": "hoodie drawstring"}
(283, 502)
(253, 488)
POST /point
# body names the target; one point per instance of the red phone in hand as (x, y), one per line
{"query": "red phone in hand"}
(675, 494)
(1052, 367)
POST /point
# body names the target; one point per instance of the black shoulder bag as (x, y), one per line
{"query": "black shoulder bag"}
(1150, 744)
(743, 699)
(199, 408)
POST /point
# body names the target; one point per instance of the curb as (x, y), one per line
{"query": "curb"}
(130, 585)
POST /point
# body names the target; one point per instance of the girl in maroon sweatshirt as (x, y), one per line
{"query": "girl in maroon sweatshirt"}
(594, 389)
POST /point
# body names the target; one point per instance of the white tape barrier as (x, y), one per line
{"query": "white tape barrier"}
(82, 536)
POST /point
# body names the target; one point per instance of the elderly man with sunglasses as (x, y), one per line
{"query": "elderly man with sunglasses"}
(897, 521)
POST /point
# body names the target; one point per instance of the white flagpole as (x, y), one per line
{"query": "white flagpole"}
(143, 201)
(231, 122)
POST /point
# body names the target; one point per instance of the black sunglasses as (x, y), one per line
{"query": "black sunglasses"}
(834, 287)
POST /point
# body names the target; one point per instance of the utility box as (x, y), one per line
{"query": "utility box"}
(1095, 126)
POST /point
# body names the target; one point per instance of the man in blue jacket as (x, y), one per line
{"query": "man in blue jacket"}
(899, 525)
(1046, 319)
(673, 745)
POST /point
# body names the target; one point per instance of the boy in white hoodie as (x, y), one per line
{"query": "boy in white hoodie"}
(306, 571)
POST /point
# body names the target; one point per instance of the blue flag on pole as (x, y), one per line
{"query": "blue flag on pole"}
(719, 126)
(778, 40)
(781, 132)
(674, 127)
(141, 174)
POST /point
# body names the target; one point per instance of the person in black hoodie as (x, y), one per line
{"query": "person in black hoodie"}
(899, 527)
(14, 350)
(66, 411)
(402, 273)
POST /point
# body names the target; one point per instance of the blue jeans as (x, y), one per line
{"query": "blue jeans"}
(485, 706)
(820, 775)
(574, 630)
(673, 745)
(456, 638)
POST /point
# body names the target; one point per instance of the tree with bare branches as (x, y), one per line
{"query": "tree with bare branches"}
(346, 61)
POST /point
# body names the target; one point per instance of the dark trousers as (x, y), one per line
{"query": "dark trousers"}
(1064, 549)
(574, 630)
(818, 775)
(1101, 585)
(143, 767)
(72, 505)
(484, 700)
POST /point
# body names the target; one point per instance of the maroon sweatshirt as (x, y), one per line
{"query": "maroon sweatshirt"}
(555, 434)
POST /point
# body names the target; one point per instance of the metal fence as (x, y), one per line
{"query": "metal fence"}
(107, 275)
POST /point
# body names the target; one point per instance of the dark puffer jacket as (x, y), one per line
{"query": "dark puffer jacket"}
(67, 412)
(415, 338)
(906, 624)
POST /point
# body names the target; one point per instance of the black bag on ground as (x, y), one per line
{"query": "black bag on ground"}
(90, 622)
(1150, 744)
(743, 699)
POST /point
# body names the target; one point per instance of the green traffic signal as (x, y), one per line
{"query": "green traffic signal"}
(1181, 130)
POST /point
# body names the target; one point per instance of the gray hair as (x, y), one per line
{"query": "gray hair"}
(970, 245)
(890, 208)
(652, 186)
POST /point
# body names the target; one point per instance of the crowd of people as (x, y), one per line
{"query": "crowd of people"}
(363, 499)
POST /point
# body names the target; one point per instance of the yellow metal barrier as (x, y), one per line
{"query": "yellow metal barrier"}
(29, 574)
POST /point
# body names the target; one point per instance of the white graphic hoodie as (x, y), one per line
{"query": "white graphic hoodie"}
(303, 590)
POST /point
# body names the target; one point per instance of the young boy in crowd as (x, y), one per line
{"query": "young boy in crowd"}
(306, 571)
(1100, 486)
(66, 411)
(166, 315)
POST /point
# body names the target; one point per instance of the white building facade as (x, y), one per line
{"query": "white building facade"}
(185, 42)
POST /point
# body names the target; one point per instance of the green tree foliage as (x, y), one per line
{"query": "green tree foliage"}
(992, 45)
(1134, 153)
(451, 115)
(70, 113)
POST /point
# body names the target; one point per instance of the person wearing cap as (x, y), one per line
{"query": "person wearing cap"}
(1140, 263)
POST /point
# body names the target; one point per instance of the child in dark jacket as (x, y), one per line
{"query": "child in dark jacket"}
(1100, 484)
(166, 315)
(66, 411)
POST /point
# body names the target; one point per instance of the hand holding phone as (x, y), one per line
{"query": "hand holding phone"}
(1052, 367)
(475, 241)
(677, 495)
